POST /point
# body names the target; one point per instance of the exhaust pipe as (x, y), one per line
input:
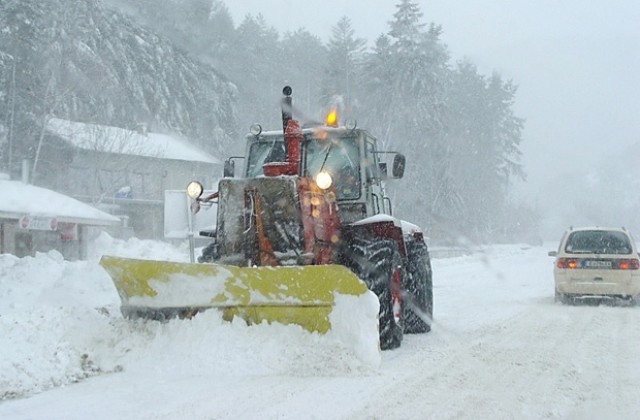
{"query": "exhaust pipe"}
(292, 139)
(286, 106)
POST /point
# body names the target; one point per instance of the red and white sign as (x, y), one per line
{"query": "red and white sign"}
(38, 223)
(68, 231)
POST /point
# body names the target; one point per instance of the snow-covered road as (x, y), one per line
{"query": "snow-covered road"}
(500, 348)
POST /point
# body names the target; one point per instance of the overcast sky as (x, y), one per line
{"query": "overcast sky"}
(576, 62)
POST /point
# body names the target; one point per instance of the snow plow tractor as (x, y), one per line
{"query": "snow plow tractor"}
(307, 220)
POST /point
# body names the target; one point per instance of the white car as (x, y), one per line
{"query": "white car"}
(596, 262)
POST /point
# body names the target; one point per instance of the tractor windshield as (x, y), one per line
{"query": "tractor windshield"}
(262, 152)
(339, 157)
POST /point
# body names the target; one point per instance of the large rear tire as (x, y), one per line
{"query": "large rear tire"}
(418, 296)
(376, 262)
(209, 253)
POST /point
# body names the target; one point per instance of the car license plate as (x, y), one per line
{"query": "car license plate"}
(597, 264)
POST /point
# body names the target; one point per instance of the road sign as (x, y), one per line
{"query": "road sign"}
(38, 223)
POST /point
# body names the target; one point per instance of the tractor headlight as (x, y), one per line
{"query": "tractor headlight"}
(194, 190)
(324, 180)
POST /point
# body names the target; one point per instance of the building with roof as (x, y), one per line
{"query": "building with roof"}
(123, 172)
(35, 219)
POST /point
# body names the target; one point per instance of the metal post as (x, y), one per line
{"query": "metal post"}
(24, 173)
(192, 242)
(13, 111)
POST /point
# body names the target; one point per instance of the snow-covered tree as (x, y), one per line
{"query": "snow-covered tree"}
(79, 61)
(407, 79)
(343, 67)
(257, 71)
(182, 66)
(378, 79)
(304, 56)
(19, 41)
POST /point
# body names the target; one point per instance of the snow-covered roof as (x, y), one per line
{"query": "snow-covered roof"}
(130, 142)
(18, 199)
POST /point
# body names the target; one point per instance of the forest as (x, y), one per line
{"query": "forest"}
(185, 66)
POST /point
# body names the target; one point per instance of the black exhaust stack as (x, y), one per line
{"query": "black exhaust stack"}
(286, 107)
(292, 138)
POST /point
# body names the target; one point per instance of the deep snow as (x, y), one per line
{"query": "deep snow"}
(17, 199)
(500, 348)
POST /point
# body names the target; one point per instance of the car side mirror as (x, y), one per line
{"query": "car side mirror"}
(399, 162)
(552, 253)
(229, 168)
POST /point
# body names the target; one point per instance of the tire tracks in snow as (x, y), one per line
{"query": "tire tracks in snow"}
(548, 361)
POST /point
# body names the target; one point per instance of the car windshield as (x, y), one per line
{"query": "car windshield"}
(340, 158)
(598, 242)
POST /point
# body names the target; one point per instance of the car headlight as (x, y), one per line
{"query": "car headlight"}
(194, 190)
(324, 180)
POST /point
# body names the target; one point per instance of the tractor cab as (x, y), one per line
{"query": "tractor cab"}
(345, 159)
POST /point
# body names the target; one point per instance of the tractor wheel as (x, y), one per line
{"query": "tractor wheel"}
(378, 264)
(418, 296)
(209, 253)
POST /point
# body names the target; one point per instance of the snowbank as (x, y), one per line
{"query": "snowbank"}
(60, 323)
(54, 316)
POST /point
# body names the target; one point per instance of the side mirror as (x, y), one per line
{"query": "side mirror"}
(382, 170)
(399, 162)
(552, 253)
(229, 168)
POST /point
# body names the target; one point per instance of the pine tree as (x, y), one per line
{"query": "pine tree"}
(258, 73)
(304, 56)
(77, 60)
(19, 40)
(483, 134)
(217, 39)
(343, 66)
(378, 80)
(407, 29)
(412, 82)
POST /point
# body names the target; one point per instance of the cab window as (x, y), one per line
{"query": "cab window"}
(340, 158)
(262, 152)
(371, 161)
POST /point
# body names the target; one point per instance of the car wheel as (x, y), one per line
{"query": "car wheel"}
(561, 298)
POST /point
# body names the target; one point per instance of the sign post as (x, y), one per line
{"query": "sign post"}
(190, 233)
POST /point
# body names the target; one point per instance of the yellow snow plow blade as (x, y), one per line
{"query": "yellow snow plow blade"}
(302, 295)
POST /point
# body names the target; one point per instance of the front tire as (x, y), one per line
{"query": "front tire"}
(375, 262)
(209, 253)
(418, 301)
